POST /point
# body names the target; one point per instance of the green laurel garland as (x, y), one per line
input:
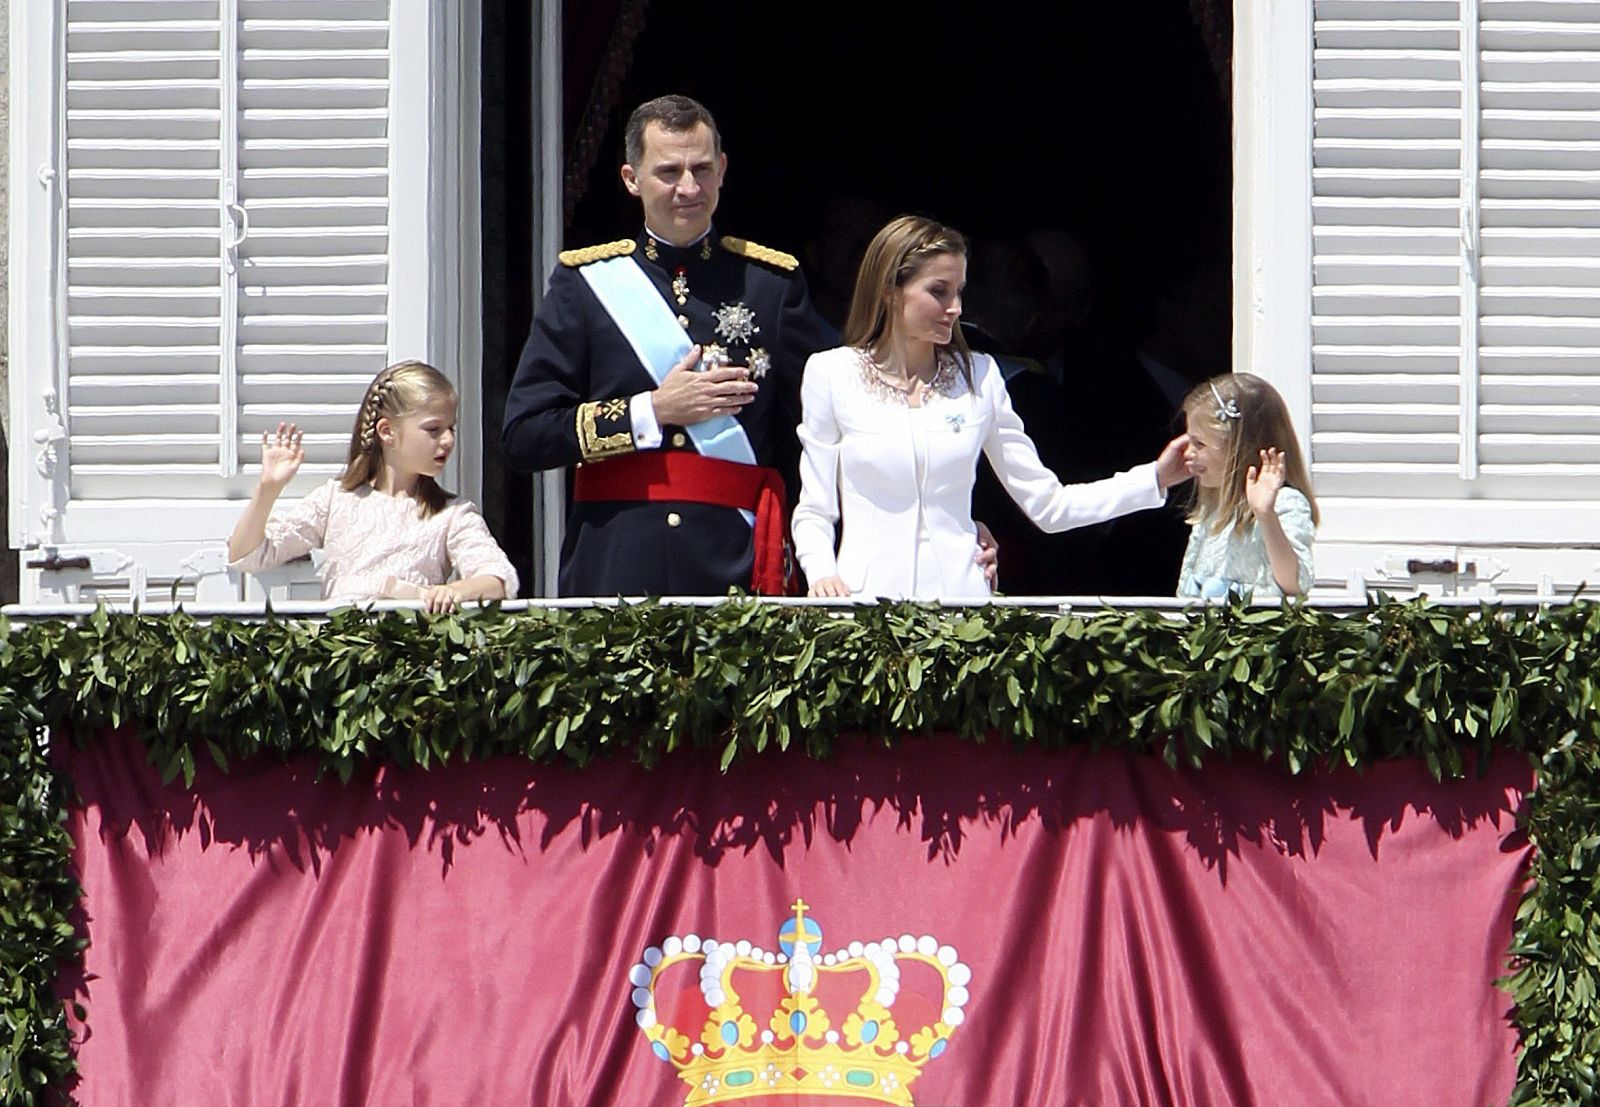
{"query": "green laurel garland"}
(1299, 686)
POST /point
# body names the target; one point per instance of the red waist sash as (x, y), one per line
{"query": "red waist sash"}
(688, 477)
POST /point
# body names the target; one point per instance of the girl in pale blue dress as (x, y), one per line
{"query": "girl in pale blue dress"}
(1254, 514)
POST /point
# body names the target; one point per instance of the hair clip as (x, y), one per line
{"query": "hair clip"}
(1226, 409)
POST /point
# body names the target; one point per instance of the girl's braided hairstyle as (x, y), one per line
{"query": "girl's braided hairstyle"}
(399, 390)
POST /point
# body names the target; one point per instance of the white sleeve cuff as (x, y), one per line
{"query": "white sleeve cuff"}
(646, 431)
(1149, 476)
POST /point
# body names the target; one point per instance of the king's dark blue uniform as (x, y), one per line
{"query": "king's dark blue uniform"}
(568, 405)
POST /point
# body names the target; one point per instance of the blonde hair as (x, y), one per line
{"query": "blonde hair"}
(1247, 414)
(895, 256)
(402, 389)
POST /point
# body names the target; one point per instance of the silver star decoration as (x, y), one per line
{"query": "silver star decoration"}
(760, 362)
(736, 323)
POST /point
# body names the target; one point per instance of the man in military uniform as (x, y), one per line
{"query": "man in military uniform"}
(667, 368)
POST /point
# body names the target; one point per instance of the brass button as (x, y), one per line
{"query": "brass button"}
(674, 519)
(683, 321)
(679, 440)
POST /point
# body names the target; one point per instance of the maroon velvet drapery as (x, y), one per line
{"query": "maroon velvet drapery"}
(597, 49)
(473, 934)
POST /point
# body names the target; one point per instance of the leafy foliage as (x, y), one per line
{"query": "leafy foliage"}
(1298, 685)
(37, 896)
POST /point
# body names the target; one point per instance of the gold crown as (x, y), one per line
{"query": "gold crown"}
(904, 996)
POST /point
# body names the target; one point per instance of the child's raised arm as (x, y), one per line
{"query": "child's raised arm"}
(281, 455)
(1261, 486)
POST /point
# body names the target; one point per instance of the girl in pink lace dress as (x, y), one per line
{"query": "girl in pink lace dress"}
(385, 527)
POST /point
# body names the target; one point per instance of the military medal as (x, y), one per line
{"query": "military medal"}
(713, 356)
(680, 286)
(760, 362)
(736, 322)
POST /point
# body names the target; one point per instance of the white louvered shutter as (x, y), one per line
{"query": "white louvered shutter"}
(313, 172)
(1387, 264)
(144, 276)
(1455, 359)
(1539, 298)
(224, 185)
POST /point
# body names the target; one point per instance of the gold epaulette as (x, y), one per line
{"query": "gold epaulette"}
(757, 252)
(617, 249)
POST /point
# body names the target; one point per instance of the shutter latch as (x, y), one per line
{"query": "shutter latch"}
(1447, 565)
(53, 562)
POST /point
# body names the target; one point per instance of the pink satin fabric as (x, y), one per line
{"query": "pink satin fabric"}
(1136, 935)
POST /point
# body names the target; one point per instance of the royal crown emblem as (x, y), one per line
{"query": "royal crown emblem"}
(858, 1023)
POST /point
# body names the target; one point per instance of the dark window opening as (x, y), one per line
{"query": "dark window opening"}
(1085, 150)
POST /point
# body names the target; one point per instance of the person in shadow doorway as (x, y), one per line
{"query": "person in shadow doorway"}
(1009, 291)
(1092, 404)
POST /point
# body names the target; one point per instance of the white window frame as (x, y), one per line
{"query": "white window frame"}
(434, 291)
(1273, 334)
(1272, 199)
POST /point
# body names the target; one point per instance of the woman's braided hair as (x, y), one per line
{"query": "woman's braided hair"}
(399, 390)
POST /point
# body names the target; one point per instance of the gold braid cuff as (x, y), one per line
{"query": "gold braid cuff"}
(757, 252)
(598, 433)
(617, 249)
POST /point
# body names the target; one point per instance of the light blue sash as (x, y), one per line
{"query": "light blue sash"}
(636, 307)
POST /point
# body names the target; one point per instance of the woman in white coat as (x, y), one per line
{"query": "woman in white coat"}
(891, 428)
